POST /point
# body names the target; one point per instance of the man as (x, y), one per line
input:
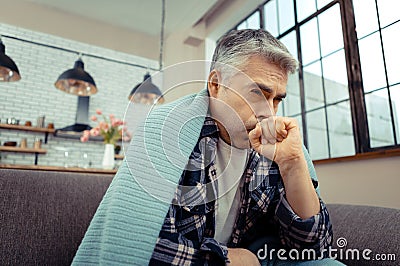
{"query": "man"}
(242, 109)
(246, 185)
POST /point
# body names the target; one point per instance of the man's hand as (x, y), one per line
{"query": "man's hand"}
(278, 139)
(241, 257)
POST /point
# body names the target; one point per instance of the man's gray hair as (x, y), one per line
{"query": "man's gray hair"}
(237, 46)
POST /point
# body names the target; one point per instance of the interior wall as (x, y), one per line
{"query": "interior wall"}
(373, 182)
(225, 16)
(180, 60)
(35, 95)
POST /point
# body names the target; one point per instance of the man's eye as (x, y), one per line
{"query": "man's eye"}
(256, 91)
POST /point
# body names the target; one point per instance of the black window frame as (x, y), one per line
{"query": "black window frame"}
(354, 76)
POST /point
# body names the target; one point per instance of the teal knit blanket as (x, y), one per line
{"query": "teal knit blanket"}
(128, 220)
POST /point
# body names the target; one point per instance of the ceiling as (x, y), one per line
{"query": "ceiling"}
(131, 26)
(137, 15)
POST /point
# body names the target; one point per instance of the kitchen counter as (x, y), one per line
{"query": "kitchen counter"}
(58, 169)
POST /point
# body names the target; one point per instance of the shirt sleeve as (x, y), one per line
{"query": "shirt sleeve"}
(185, 247)
(312, 233)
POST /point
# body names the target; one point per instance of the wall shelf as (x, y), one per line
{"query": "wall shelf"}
(46, 131)
(23, 150)
(74, 135)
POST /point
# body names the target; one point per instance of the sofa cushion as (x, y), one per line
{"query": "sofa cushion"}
(44, 215)
(365, 227)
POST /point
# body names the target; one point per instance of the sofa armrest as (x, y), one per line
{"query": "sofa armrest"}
(365, 227)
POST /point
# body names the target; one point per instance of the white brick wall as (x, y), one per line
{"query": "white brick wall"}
(35, 94)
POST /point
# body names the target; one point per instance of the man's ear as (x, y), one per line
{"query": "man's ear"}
(214, 83)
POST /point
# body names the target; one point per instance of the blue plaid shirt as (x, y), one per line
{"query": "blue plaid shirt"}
(187, 235)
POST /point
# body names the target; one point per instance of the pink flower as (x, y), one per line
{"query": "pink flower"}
(116, 123)
(95, 131)
(110, 128)
(103, 126)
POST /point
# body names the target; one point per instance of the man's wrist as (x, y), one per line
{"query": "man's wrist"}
(299, 189)
(287, 167)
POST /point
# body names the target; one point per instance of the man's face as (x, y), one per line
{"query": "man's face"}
(246, 98)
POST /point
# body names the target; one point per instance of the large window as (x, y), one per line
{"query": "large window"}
(378, 30)
(346, 94)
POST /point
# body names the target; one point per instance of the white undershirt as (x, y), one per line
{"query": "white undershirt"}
(230, 163)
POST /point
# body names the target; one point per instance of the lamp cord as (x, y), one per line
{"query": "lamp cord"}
(162, 34)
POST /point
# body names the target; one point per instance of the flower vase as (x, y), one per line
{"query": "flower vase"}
(108, 157)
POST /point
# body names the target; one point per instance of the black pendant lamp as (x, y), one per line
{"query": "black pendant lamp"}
(146, 92)
(8, 69)
(76, 81)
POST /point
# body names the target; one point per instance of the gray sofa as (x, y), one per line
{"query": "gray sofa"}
(44, 216)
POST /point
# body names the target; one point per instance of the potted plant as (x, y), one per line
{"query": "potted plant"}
(112, 130)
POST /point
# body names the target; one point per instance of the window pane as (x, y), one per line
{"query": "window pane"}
(390, 37)
(365, 15)
(335, 77)
(388, 11)
(330, 29)
(305, 8)
(270, 18)
(322, 3)
(290, 42)
(286, 15)
(253, 22)
(309, 42)
(313, 91)
(341, 138)
(292, 101)
(281, 111)
(242, 25)
(317, 135)
(395, 96)
(299, 121)
(379, 121)
(373, 72)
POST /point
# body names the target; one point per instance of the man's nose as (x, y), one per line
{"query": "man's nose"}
(264, 110)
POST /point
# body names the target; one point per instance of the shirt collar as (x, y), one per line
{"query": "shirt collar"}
(210, 128)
